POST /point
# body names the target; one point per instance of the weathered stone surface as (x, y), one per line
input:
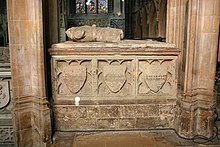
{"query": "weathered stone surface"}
(142, 110)
(127, 123)
(92, 111)
(4, 94)
(153, 110)
(4, 55)
(93, 33)
(25, 120)
(99, 117)
(108, 123)
(31, 114)
(27, 47)
(198, 85)
(99, 78)
(7, 134)
(73, 124)
(150, 123)
(129, 111)
(186, 128)
(167, 109)
(134, 45)
(204, 120)
(25, 137)
(109, 112)
(116, 92)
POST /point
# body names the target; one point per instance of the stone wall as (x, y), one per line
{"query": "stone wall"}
(114, 117)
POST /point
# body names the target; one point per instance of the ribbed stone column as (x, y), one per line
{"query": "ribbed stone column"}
(177, 11)
(197, 104)
(32, 123)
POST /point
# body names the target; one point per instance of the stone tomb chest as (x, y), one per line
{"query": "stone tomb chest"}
(122, 86)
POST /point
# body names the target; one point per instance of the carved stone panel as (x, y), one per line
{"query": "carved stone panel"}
(157, 76)
(98, 78)
(4, 94)
(6, 125)
(6, 134)
(73, 77)
(115, 77)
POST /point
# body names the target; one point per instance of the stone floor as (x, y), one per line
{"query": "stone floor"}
(166, 138)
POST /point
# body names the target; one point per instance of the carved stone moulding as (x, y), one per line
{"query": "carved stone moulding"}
(5, 75)
(32, 110)
(195, 122)
(198, 111)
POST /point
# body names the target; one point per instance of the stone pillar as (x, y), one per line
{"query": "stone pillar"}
(176, 29)
(219, 47)
(197, 103)
(175, 21)
(31, 115)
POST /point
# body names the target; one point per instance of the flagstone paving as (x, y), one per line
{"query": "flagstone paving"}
(167, 138)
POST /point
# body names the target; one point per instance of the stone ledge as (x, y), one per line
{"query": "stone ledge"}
(121, 44)
(125, 47)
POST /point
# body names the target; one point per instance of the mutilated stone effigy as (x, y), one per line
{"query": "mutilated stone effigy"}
(93, 33)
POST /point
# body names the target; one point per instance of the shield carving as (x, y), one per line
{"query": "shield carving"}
(75, 78)
(114, 77)
(4, 94)
(155, 76)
